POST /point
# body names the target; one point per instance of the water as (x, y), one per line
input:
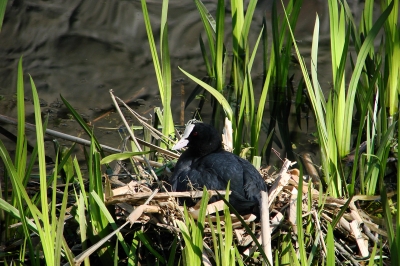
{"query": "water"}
(82, 49)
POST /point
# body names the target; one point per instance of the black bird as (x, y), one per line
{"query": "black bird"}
(206, 163)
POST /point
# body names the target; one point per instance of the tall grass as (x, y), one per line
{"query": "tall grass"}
(368, 104)
(47, 224)
(335, 119)
(163, 70)
(232, 85)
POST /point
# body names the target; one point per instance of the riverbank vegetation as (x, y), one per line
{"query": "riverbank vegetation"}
(344, 211)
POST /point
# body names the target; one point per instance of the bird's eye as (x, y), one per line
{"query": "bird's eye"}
(194, 133)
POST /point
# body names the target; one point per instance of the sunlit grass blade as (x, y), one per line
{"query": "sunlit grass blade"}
(80, 181)
(163, 71)
(339, 56)
(122, 156)
(220, 58)
(110, 219)
(59, 225)
(193, 233)
(248, 19)
(318, 104)
(330, 260)
(153, 48)
(14, 212)
(82, 223)
(217, 256)
(372, 257)
(246, 227)
(97, 187)
(20, 159)
(263, 98)
(168, 128)
(237, 25)
(359, 65)
(210, 28)
(393, 53)
(47, 236)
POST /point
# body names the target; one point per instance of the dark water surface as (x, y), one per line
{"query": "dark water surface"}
(82, 49)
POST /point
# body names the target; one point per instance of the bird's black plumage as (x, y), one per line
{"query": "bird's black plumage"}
(205, 163)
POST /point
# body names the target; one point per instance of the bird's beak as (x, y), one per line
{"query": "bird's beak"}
(184, 140)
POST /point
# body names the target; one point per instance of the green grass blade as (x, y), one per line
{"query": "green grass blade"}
(299, 221)
(168, 123)
(149, 246)
(314, 65)
(210, 28)
(365, 48)
(253, 114)
(372, 256)
(248, 19)
(153, 48)
(246, 227)
(315, 99)
(66, 163)
(330, 260)
(19, 194)
(48, 236)
(391, 235)
(80, 181)
(394, 76)
(220, 98)
(83, 124)
(122, 156)
(82, 223)
(343, 209)
(237, 24)
(220, 51)
(217, 256)
(20, 160)
(382, 156)
(110, 220)
(205, 57)
(3, 5)
(171, 259)
(14, 212)
(60, 224)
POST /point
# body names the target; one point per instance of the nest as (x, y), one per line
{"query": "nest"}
(355, 231)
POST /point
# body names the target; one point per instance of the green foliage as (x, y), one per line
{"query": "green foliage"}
(192, 233)
(163, 70)
(335, 137)
(243, 111)
(222, 237)
(365, 110)
(46, 224)
(3, 5)
(330, 260)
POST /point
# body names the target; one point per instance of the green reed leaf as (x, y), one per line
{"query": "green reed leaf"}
(218, 96)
